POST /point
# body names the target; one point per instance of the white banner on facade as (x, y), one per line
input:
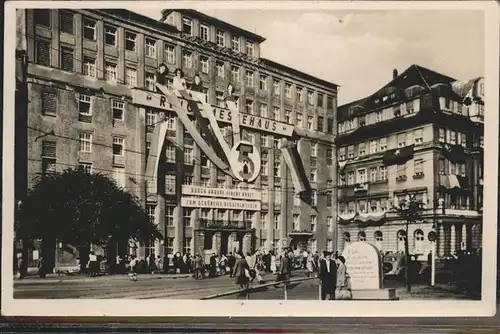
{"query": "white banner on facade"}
(248, 194)
(160, 101)
(206, 202)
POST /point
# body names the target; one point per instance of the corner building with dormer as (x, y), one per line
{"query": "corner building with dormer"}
(420, 135)
(81, 66)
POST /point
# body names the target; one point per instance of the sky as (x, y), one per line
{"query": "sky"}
(359, 50)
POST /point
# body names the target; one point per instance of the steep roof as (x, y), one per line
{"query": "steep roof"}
(413, 76)
(462, 88)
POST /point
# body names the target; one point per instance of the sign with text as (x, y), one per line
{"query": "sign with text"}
(207, 202)
(247, 194)
(160, 101)
(364, 266)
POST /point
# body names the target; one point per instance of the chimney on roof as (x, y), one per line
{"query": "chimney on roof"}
(394, 73)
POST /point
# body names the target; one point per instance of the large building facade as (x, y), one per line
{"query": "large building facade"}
(420, 135)
(81, 69)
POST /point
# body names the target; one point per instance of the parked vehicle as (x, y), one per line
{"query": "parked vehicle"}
(394, 265)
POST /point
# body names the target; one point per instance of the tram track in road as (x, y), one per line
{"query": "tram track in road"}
(146, 288)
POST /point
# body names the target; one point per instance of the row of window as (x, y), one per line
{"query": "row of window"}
(313, 222)
(85, 138)
(351, 178)
(378, 116)
(378, 239)
(49, 162)
(375, 174)
(111, 75)
(67, 57)
(375, 205)
(220, 37)
(402, 139)
(187, 215)
(42, 17)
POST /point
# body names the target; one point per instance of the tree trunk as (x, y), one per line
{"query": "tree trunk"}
(48, 252)
(408, 261)
(111, 253)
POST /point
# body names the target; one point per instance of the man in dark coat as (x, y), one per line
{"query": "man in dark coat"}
(328, 276)
(231, 261)
(241, 271)
(285, 268)
(213, 265)
(198, 265)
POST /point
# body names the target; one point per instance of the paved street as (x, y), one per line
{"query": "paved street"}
(182, 287)
(119, 286)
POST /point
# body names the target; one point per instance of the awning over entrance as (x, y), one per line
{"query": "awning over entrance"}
(363, 219)
(300, 234)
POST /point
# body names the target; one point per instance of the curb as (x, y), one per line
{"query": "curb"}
(50, 280)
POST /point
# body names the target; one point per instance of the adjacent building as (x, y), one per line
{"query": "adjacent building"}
(80, 69)
(420, 135)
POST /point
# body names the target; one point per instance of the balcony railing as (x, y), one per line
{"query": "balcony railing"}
(225, 224)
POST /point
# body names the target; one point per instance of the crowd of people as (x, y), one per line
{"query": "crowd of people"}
(245, 268)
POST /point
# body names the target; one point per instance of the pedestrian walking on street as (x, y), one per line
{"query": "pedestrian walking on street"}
(223, 264)
(177, 263)
(213, 265)
(20, 268)
(231, 261)
(159, 264)
(342, 290)
(310, 265)
(241, 271)
(41, 268)
(198, 266)
(273, 263)
(93, 264)
(328, 277)
(285, 268)
(305, 256)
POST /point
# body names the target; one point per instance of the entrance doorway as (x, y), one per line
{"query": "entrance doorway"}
(224, 243)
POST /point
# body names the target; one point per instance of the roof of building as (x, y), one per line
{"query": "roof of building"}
(136, 17)
(462, 88)
(290, 70)
(413, 76)
(215, 21)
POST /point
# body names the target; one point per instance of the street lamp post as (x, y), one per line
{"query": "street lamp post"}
(57, 262)
(409, 210)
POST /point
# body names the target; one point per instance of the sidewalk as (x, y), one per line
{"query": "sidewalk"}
(439, 291)
(77, 278)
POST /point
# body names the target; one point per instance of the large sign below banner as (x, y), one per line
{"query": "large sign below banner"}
(247, 194)
(206, 202)
(160, 101)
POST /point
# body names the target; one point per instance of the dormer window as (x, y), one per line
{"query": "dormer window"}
(235, 43)
(221, 39)
(204, 32)
(187, 26)
(130, 41)
(250, 49)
